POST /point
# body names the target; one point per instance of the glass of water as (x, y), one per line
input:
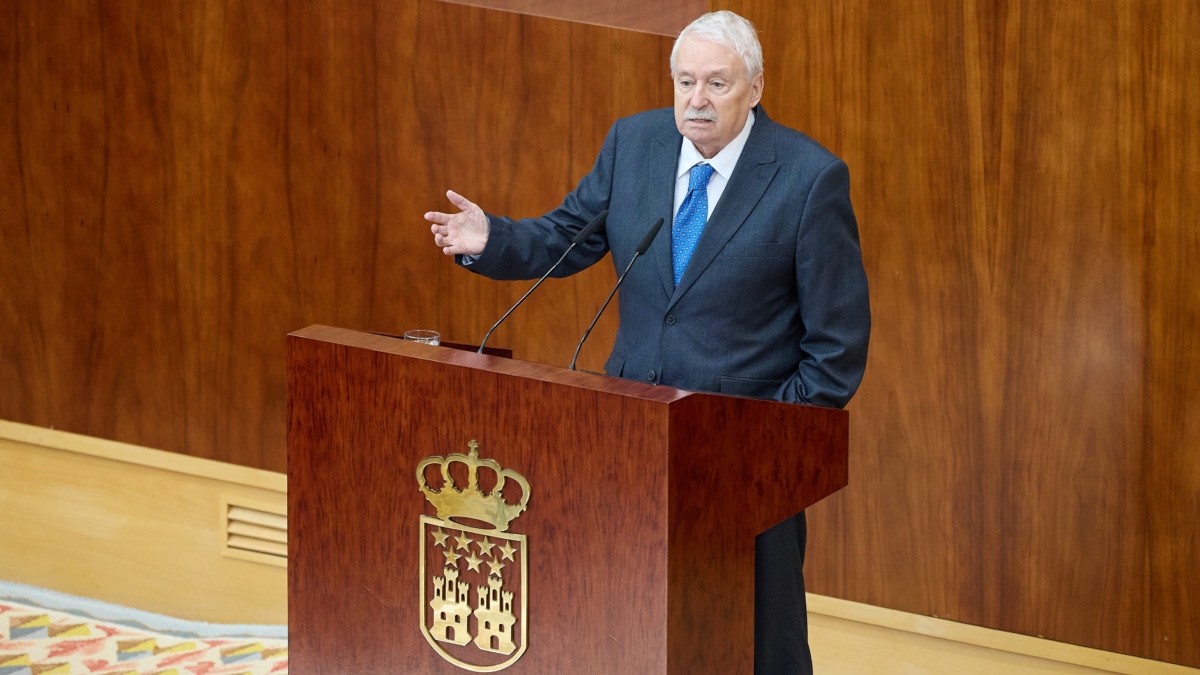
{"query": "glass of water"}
(429, 337)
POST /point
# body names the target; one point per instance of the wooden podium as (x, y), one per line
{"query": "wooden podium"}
(637, 543)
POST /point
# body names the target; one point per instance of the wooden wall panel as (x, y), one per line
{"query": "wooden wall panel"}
(1072, 277)
(147, 153)
(1019, 444)
(1161, 148)
(664, 17)
(185, 184)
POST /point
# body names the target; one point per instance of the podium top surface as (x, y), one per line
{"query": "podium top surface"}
(512, 367)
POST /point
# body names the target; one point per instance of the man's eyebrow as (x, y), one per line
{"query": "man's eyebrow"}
(719, 72)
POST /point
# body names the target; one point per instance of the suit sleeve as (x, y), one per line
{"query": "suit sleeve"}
(834, 305)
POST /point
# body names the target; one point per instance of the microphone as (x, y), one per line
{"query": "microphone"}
(586, 232)
(642, 248)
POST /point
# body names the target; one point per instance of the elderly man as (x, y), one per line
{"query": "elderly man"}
(758, 291)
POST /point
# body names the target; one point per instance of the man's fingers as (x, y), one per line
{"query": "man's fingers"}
(459, 200)
(458, 233)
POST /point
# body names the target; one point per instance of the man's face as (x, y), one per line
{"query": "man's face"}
(713, 94)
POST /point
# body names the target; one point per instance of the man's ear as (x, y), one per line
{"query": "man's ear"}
(756, 86)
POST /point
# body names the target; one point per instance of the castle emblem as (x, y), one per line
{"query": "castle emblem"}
(474, 572)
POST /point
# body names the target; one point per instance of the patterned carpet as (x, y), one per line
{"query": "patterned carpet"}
(42, 633)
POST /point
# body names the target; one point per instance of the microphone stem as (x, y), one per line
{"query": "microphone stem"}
(518, 303)
(583, 234)
(602, 308)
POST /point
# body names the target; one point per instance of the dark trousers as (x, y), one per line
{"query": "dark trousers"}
(780, 611)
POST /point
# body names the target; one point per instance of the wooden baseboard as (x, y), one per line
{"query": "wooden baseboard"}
(850, 638)
(138, 527)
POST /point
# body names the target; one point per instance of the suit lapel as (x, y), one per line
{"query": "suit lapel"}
(660, 181)
(755, 170)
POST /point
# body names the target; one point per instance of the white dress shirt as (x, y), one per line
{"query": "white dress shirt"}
(722, 163)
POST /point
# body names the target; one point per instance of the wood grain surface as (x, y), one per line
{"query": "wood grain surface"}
(183, 184)
(665, 17)
(640, 521)
(1023, 174)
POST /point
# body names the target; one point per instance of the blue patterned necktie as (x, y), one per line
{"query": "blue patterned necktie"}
(689, 222)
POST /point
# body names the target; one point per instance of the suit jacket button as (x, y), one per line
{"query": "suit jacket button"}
(651, 375)
(670, 319)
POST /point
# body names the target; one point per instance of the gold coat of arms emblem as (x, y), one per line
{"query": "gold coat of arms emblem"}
(474, 572)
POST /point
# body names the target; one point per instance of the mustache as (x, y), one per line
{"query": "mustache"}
(705, 114)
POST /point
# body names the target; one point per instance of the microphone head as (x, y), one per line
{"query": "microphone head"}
(649, 238)
(591, 227)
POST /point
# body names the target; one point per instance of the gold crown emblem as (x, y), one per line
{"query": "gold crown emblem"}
(453, 501)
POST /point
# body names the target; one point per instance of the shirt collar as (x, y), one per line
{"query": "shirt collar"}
(724, 161)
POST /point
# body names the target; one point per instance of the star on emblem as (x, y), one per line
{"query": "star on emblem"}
(464, 541)
(473, 562)
(508, 550)
(440, 535)
(485, 546)
(497, 568)
(451, 557)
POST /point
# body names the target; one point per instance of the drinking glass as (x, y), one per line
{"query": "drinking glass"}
(429, 337)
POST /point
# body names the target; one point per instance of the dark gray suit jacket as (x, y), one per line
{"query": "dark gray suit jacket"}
(774, 301)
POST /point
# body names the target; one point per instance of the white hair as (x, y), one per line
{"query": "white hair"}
(728, 29)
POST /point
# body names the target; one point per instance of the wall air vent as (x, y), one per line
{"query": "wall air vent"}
(255, 530)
